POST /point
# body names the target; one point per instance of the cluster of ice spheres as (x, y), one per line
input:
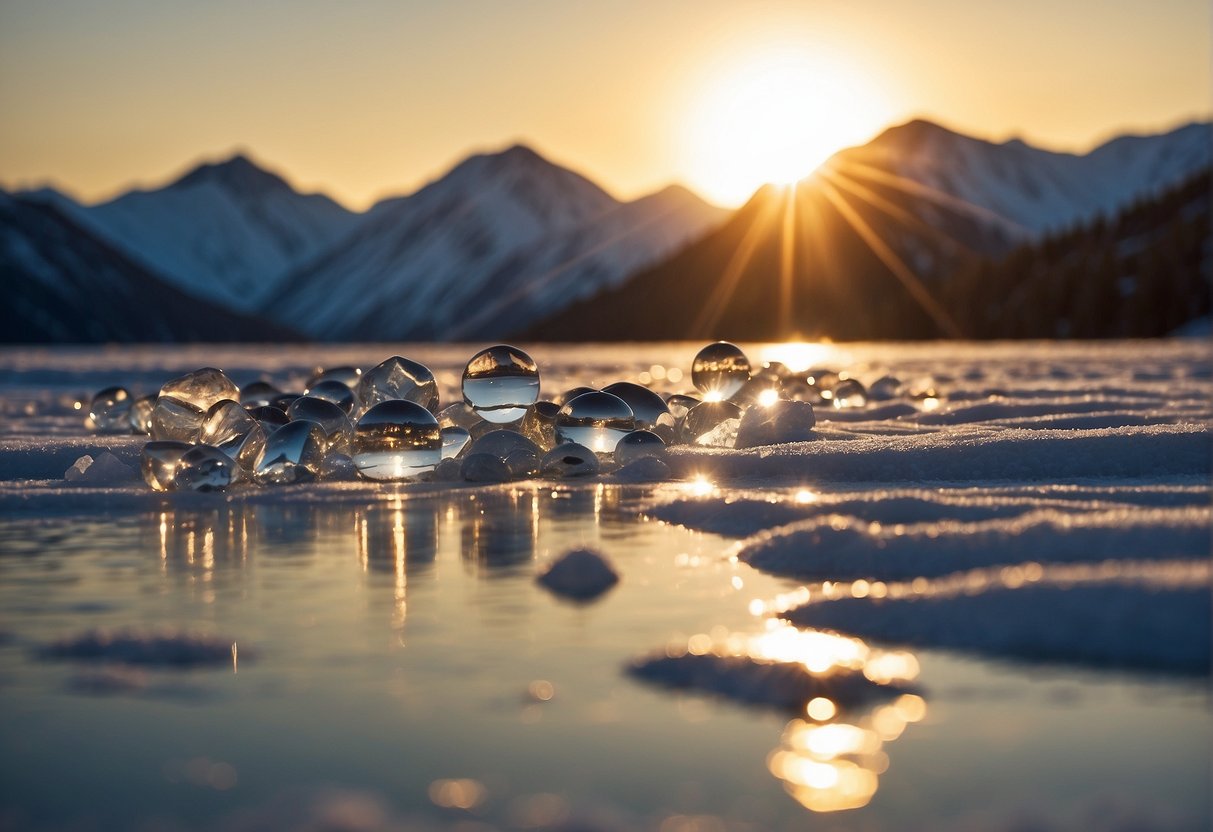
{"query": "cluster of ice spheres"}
(387, 423)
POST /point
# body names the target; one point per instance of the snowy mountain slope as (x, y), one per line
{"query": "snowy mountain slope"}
(1028, 188)
(63, 283)
(597, 255)
(226, 231)
(473, 244)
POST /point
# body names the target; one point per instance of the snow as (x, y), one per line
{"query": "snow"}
(499, 241)
(580, 574)
(1030, 189)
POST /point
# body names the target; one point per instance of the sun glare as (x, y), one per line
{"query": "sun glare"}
(773, 116)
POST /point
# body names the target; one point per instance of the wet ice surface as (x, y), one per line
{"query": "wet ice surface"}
(1031, 545)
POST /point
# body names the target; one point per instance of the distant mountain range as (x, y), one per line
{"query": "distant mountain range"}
(509, 244)
(866, 246)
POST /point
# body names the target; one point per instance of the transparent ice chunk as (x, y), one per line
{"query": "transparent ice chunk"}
(230, 428)
(595, 420)
(158, 462)
(484, 468)
(774, 424)
(708, 418)
(454, 440)
(204, 468)
(201, 389)
(175, 419)
(499, 383)
(396, 440)
(849, 392)
(109, 411)
(269, 417)
(258, 393)
(337, 428)
(720, 369)
(334, 392)
(349, 376)
(140, 416)
(293, 453)
(501, 443)
(885, 388)
(398, 378)
(539, 424)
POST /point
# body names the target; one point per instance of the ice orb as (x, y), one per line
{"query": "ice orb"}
(637, 445)
(454, 440)
(720, 370)
(649, 409)
(334, 392)
(596, 420)
(201, 389)
(338, 430)
(110, 410)
(396, 439)
(258, 394)
(849, 392)
(500, 382)
(140, 416)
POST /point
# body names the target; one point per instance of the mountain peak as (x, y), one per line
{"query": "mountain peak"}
(237, 172)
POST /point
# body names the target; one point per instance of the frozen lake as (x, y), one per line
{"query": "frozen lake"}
(1025, 544)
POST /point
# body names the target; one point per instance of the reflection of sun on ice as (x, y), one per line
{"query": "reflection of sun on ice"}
(773, 116)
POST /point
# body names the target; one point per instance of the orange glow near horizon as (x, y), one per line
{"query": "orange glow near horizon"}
(772, 114)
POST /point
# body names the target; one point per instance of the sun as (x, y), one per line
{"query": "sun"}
(773, 114)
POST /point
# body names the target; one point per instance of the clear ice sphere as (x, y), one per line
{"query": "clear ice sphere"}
(454, 440)
(338, 430)
(338, 468)
(570, 460)
(109, 411)
(334, 392)
(849, 392)
(706, 417)
(201, 389)
(283, 400)
(720, 370)
(158, 462)
(293, 453)
(637, 445)
(258, 394)
(679, 404)
(499, 383)
(649, 409)
(572, 393)
(539, 424)
(140, 416)
(175, 419)
(231, 429)
(885, 388)
(523, 462)
(595, 420)
(204, 468)
(396, 440)
(398, 379)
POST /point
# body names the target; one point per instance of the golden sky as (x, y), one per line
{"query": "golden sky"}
(367, 99)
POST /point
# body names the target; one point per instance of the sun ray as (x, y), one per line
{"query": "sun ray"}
(892, 261)
(914, 188)
(787, 253)
(712, 311)
(891, 209)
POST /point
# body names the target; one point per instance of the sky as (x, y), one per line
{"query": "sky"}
(369, 98)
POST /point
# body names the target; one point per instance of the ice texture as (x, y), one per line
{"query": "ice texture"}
(569, 460)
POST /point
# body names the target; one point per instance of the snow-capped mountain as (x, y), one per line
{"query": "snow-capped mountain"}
(1033, 190)
(501, 235)
(226, 231)
(63, 283)
(874, 237)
